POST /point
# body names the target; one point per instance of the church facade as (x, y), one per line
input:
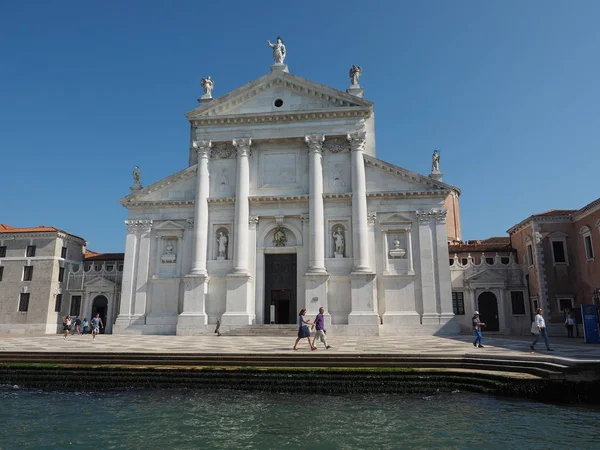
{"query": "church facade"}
(283, 206)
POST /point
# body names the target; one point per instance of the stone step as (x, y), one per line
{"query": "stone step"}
(264, 330)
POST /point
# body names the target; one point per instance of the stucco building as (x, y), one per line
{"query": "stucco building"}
(33, 265)
(284, 205)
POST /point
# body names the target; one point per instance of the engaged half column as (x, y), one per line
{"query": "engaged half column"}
(201, 211)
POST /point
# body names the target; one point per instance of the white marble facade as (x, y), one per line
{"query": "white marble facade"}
(285, 166)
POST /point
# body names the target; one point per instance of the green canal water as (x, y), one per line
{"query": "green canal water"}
(178, 419)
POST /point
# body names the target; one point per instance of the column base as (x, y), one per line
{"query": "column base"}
(401, 318)
(194, 300)
(315, 292)
(191, 324)
(449, 324)
(363, 291)
(238, 306)
(430, 319)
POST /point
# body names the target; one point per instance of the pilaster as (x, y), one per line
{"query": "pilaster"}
(427, 270)
(143, 271)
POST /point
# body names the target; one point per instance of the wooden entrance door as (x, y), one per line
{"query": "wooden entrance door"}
(488, 311)
(280, 288)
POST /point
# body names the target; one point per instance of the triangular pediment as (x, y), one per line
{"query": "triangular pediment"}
(99, 282)
(296, 94)
(169, 225)
(179, 187)
(386, 177)
(486, 276)
(394, 218)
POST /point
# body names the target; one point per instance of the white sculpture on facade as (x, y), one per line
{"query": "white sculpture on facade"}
(279, 52)
(222, 242)
(355, 72)
(207, 85)
(339, 244)
(435, 161)
(168, 255)
(397, 251)
(137, 181)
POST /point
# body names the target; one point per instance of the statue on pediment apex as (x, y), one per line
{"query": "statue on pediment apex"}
(207, 85)
(435, 161)
(279, 52)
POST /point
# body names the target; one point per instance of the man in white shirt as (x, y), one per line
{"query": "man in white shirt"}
(540, 323)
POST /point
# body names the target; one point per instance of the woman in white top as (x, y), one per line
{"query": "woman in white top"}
(67, 325)
(540, 323)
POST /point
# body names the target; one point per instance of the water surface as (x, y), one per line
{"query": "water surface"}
(182, 419)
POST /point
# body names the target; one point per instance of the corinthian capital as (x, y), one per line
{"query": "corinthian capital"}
(242, 146)
(142, 226)
(357, 140)
(203, 148)
(315, 142)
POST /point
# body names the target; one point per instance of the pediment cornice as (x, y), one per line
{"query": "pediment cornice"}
(132, 199)
(437, 186)
(273, 80)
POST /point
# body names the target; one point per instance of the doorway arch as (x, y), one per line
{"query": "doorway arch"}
(100, 306)
(488, 311)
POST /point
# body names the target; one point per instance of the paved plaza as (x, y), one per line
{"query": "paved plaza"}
(392, 345)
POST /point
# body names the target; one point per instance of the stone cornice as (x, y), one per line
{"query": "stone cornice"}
(284, 117)
(400, 194)
(587, 209)
(411, 176)
(43, 235)
(279, 198)
(182, 174)
(161, 203)
(559, 218)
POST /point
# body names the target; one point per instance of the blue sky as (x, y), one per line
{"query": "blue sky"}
(508, 90)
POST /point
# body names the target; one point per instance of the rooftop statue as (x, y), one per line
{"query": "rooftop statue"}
(435, 161)
(355, 72)
(279, 52)
(207, 85)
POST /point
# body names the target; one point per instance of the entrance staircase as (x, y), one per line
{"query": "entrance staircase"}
(264, 330)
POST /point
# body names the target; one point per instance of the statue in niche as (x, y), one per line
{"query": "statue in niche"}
(222, 241)
(207, 85)
(279, 237)
(435, 161)
(168, 255)
(397, 251)
(339, 243)
(279, 52)
(355, 72)
(396, 243)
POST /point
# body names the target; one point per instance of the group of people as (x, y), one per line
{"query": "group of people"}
(304, 331)
(82, 327)
(538, 328)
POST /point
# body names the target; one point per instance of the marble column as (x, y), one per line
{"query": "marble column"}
(316, 260)
(239, 305)
(448, 323)
(201, 211)
(128, 281)
(360, 228)
(363, 290)
(143, 271)
(242, 207)
(427, 269)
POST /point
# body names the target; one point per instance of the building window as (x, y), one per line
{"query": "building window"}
(518, 302)
(30, 251)
(464, 261)
(75, 305)
(451, 261)
(458, 303)
(558, 250)
(3, 251)
(490, 261)
(58, 303)
(589, 250)
(1, 272)
(24, 302)
(27, 273)
(505, 260)
(535, 304)
(529, 255)
(63, 252)
(565, 304)
(61, 274)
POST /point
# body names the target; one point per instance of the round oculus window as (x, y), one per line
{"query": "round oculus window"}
(278, 103)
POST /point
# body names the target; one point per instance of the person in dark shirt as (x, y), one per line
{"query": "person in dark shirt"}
(477, 324)
(319, 324)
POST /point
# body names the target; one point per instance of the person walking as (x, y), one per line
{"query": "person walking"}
(540, 323)
(570, 323)
(477, 324)
(96, 325)
(218, 328)
(78, 326)
(319, 324)
(303, 331)
(86, 326)
(67, 325)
